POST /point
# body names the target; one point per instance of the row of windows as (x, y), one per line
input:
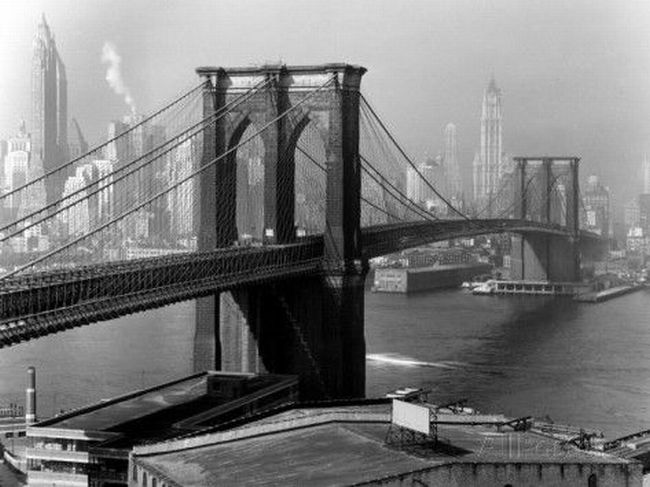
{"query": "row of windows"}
(56, 466)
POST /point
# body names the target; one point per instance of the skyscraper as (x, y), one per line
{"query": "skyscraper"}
(49, 109)
(646, 175)
(77, 145)
(452, 169)
(487, 167)
(596, 199)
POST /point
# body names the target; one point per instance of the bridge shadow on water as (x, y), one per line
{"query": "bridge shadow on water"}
(490, 350)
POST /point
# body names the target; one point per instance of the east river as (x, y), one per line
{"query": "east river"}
(581, 364)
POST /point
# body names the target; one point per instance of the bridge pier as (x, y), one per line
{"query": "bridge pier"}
(311, 326)
(544, 258)
(537, 257)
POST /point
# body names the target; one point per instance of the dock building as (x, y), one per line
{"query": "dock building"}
(90, 446)
(346, 444)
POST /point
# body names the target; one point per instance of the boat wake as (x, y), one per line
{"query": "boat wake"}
(394, 359)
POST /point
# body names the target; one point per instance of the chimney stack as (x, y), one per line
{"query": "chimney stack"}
(30, 403)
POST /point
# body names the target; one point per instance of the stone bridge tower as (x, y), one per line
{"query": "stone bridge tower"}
(312, 326)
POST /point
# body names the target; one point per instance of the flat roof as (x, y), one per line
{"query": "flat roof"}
(105, 415)
(159, 407)
(344, 451)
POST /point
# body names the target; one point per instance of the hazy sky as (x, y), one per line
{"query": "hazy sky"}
(575, 75)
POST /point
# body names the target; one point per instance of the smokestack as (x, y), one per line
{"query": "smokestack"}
(30, 403)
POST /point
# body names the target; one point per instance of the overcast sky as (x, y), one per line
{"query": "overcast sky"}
(575, 75)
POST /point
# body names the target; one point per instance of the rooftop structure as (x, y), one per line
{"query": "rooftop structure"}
(90, 446)
(346, 445)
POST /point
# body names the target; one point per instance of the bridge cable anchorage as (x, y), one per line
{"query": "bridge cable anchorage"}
(95, 149)
(175, 185)
(297, 329)
(127, 170)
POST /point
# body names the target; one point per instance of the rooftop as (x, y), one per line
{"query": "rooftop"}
(343, 446)
(170, 409)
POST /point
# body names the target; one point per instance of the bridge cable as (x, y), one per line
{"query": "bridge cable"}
(321, 167)
(173, 186)
(412, 164)
(103, 145)
(131, 166)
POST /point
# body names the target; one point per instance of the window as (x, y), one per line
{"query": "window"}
(592, 481)
(134, 473)
(144, 479)
(154, 482)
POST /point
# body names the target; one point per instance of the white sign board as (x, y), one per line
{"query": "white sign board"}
(411, 416)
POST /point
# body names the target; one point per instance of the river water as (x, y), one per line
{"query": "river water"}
(582, 364)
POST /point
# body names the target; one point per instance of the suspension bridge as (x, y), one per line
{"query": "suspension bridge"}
(261, 193)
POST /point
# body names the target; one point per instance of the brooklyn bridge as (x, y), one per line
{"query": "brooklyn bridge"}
(285, 295)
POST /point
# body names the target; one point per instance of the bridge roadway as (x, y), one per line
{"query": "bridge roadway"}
(42, 303)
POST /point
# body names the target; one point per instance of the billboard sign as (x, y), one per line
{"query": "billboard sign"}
(411, 416)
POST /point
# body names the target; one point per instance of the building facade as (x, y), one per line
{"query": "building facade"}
(347, 445)
(20, 167)
(597, 202)
(487, 167)
(49, 109)
(646, 175)
(90, 446)
(452, 168)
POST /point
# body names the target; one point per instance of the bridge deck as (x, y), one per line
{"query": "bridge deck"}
(46, 302)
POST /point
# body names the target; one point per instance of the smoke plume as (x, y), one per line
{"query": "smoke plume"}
(111, 58)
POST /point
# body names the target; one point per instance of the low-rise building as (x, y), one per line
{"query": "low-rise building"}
(90, 446)
(350, 445)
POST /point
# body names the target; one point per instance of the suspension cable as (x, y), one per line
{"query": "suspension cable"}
(173, 186)
(101, 146)
(131, 166)
(411, 163)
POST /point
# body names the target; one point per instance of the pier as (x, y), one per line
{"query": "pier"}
(537, 288)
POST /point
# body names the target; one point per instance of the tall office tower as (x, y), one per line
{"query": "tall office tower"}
(488, 167)
(49, 109)
(631, 214)
(596, 198)
(413, 186)
(3, 153)
(77, 145)
(137, 147)
(77, 217)
(117, 150)
(646, 175)
(452, 168)
(180, 202)
(19, 168)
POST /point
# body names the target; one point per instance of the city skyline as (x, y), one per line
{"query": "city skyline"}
(555, 104)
